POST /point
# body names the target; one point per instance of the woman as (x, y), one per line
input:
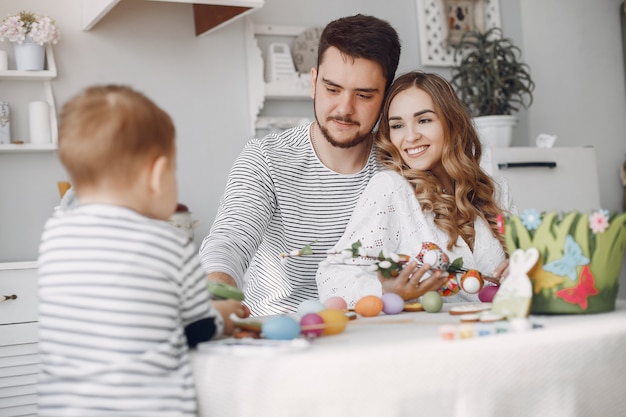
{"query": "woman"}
(431, 190)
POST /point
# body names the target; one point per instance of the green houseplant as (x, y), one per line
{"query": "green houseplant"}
(491, 80)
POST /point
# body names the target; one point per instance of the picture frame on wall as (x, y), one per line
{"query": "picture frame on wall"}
(441, 23)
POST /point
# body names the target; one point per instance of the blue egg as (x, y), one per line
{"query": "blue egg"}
(280, 328)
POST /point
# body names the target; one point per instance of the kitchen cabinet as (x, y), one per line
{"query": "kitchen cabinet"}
(209, 15)
(19, 359)
(44, 77)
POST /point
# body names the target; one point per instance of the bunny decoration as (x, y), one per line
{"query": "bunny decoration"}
(515, 294)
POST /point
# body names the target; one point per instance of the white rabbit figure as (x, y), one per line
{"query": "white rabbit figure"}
(515, 294)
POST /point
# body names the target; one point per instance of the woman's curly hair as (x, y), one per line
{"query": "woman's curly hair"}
(474, 193)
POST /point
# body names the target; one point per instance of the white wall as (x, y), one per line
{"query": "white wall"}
(152, 47)
(574, 48)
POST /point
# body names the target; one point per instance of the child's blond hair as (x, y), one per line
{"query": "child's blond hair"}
(108, 133)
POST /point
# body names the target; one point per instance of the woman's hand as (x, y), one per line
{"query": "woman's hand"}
(407, 284)
(501, 271)
(226, 308)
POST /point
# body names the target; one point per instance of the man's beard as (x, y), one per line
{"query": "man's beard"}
(355, 141)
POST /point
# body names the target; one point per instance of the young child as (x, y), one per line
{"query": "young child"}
(122, 295)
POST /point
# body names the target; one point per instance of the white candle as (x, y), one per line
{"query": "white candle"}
(39, 122)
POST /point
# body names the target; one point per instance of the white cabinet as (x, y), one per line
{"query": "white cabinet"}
(19, 359)
(44, 77)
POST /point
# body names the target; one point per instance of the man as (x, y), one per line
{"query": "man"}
(300, 186)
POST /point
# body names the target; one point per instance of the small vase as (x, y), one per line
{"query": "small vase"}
(29, 55)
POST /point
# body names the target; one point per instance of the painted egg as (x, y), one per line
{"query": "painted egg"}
(450, 286)
(335, 321)
(369, 306)
(432, 255)
(309, 306)
(280, 328)
(392, 303)
(472, 281)
(337, 303)
(432, 302)
(487, 293)
(312, 325)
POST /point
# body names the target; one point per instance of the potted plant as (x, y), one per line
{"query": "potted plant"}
(491, 80)
(29, 32)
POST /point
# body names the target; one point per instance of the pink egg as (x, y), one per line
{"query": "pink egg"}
(312, 325)
(337, 303)
(487, 293)
(392, 303)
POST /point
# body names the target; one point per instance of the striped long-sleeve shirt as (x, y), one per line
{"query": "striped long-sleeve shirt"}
(280, 197)
(120, 297)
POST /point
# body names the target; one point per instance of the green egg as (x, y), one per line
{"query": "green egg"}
(432, 302)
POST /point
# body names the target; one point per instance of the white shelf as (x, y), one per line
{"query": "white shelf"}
(45, 76)
(28, 147)
(297, 87)
(209, 15)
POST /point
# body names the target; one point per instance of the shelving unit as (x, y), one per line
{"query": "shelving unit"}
(209, 15)
(296, 88)
(46, 76)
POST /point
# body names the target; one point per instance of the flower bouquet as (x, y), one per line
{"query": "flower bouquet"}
(580, 258)
(29, 32)
(16, 28)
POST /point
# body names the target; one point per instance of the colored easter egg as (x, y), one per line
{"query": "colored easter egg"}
(450, 286)
(312, 325)
(471, 281)
(432, 301)
(335, 321)
(309, 306)
(369, 306)
(280, 328)
(432, 255)
(392, 303)
(337, 303)
(487, 293)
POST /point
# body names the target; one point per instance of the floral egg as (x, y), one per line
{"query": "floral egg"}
(337, 303)
(312, 325)
(369, 306)
(280, 328)
(335, 321)
(432, 255)
(449, 287)
(472, 281)
(392, 303)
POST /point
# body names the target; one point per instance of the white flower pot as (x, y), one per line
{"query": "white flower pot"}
(29, 55)
(495, 131)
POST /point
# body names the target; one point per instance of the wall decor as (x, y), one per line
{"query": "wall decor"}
(441, 23)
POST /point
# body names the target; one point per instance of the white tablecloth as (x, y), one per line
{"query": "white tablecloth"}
(399, 366)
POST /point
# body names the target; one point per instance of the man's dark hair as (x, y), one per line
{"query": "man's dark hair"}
(362, 36)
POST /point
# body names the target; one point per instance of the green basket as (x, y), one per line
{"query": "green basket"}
(580, 258)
